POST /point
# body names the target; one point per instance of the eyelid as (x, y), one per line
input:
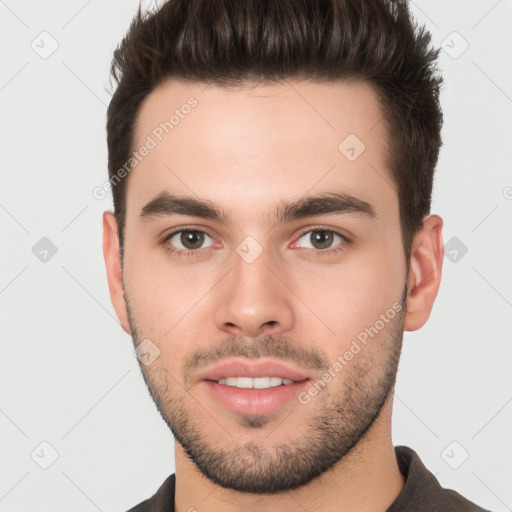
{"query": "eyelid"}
(179, 229)
(337, 231)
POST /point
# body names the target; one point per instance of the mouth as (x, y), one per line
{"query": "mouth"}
(254, 387)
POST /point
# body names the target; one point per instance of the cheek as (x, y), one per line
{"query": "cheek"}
(165, 306)
(161, 295)
(351, 296)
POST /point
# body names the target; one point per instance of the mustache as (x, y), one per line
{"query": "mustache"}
(274, 346)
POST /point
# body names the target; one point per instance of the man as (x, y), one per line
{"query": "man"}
(271, 164)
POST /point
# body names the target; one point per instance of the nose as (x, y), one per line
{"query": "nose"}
(254, 299)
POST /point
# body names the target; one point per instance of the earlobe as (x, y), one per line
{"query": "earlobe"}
(425, 269)
(112, 258)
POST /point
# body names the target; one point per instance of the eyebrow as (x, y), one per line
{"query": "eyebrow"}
(166, 204)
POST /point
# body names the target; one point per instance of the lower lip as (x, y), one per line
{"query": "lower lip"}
(254, 401)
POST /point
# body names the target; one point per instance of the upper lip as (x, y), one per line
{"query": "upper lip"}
(261, 367)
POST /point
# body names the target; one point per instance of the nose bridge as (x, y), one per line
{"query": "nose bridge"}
(253, 299)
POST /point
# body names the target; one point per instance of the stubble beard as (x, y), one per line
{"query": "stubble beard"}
(343, 419)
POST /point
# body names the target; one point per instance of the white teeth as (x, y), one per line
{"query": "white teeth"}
(256, 383)
(274, 381)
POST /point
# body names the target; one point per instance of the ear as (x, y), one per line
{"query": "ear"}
(427, 254)
(114, 271)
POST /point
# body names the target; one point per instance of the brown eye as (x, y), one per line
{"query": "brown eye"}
(187, 240)
(192, 239)
(322, 239)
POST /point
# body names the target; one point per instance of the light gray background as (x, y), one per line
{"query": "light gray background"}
(68, 373)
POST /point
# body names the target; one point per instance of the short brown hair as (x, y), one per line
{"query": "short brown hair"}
(237, 42)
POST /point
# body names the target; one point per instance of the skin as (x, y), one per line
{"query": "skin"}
(247, 150)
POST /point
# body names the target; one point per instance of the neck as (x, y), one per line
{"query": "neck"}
(367, 478)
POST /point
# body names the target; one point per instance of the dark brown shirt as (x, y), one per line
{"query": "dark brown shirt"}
(421, 493)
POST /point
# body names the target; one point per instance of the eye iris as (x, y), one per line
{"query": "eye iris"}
(192, 237)
(324, 238)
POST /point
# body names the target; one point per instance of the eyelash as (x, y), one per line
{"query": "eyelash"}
(317, 252)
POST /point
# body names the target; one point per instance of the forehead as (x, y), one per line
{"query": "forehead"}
(260, 143)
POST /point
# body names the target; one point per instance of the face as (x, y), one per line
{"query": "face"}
(263, 246)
